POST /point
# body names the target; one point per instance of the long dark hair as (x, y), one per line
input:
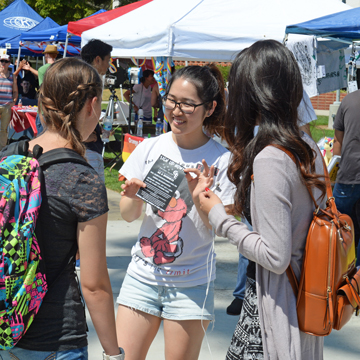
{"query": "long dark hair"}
(265, 88)
(209, 84)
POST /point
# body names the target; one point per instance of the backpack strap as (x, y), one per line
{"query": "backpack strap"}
(62, 155)
(289, 271)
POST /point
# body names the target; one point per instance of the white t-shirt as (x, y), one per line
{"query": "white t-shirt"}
(142, 99)
(174, 247)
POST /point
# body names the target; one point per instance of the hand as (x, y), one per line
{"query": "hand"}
(131, 187)
(136, 109)
(207, 201)
(202, 180)
(25, 66)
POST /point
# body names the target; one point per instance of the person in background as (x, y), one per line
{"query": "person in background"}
(24, 72)
(142, 95)
(96, 53)
(73, 216)
(347, 145)
(156, 103)
(26, 90)
(171, 275)
(265, 89)
(50, 54)
(8, 96)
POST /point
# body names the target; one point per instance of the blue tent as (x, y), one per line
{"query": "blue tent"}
(344, 25)
(17, 18)
(12, 44)
(55, 34)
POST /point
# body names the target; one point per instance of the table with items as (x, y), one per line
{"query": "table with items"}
(23, 117)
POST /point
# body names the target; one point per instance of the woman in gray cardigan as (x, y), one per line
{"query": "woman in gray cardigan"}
(265, 89)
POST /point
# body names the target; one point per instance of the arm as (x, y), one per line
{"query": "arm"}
(95, 282)
(33, 71)
(15, 92)
(17, 71)
(154, 97)
(271, 245)
(338, 140)
(130, 205)
(127, 97)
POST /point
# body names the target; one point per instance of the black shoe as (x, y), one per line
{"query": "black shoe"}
(235, 307)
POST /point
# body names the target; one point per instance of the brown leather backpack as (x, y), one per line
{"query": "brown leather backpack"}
(329, 288)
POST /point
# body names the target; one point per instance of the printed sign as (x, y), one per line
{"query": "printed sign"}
(162, 181)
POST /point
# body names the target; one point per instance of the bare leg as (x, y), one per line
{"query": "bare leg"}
(183, 339)
(135, 331)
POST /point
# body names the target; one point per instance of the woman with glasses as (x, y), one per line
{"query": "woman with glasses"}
(8, 96)
(172, 271)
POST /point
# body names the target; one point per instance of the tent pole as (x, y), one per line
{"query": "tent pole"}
(19, 52)
(66, 43)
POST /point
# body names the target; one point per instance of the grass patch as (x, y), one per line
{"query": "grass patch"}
(319, 128)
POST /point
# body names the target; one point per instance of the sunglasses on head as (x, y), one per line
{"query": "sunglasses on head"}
(4, 61)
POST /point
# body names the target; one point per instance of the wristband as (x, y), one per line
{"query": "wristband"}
(121, 356)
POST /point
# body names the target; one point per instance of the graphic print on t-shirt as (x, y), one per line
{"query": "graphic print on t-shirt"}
(165, 244)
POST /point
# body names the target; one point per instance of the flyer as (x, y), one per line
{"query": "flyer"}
(162, 181)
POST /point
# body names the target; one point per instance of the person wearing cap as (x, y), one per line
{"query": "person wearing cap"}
(50, 54)
(8, 96)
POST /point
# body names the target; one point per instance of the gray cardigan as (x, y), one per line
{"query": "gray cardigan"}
(281, 212)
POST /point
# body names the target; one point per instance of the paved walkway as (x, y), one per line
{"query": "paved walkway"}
(120, 238)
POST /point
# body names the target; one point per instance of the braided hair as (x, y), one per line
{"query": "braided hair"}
(67, 84)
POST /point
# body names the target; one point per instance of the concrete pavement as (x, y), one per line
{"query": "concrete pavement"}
(339, 345)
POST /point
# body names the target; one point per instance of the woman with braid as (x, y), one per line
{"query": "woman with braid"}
(73, 216)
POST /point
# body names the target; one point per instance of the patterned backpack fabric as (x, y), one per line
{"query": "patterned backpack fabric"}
(22, 281)
(22, 268)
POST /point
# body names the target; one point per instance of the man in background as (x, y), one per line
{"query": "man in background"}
(97, 54)
(8, 96)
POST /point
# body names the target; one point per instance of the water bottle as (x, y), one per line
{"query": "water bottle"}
(20, 101)
(140, 124)
(158, 129)
(107, 128)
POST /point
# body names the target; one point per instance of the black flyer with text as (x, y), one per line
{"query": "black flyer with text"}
(161, 182)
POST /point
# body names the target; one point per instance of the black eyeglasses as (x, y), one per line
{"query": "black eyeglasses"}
(184, 107)
(4, 61)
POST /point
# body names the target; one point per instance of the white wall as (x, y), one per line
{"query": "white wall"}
(353, 3)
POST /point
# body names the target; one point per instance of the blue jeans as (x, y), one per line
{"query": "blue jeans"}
(239, 291)
(22, 354)
(347, 198)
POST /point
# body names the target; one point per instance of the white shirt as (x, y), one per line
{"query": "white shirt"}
(142, 99)
(173, 247)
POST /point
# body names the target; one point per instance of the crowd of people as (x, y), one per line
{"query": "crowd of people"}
(170, 278)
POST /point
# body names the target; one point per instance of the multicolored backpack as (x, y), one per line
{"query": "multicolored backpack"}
(22, 270)
(22, 283)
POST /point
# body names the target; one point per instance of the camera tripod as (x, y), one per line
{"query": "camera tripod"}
(112, 110)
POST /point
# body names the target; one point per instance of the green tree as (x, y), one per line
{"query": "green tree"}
(64, 11)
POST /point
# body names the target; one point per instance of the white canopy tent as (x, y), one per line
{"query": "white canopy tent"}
(210, 30)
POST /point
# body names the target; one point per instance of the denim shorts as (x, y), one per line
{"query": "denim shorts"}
(17, 353)
(172, 303)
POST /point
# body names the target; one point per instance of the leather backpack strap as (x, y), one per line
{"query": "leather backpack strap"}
(289, 271)
(293, 280)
